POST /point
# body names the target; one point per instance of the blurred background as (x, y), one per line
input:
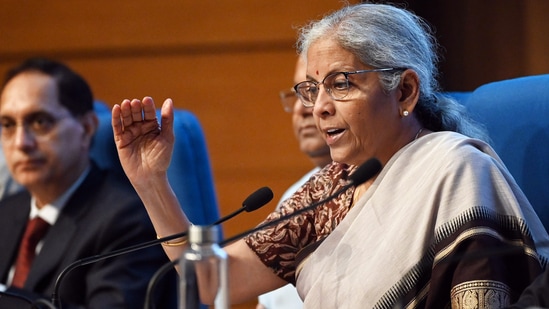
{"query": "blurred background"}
(226, 61)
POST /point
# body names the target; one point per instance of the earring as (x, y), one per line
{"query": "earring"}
(405, 113)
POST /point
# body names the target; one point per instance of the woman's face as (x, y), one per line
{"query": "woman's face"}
(367, 122)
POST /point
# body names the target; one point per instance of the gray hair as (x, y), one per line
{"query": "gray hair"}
(385, 36)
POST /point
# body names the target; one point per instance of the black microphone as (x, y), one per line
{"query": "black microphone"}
(253, 202)
(362, 174)
(256, 200)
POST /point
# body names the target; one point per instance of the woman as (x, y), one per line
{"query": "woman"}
(423, 233)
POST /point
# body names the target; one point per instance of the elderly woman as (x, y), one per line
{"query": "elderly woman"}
(442, 225)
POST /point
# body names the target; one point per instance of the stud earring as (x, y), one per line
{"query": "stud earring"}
(405, 113)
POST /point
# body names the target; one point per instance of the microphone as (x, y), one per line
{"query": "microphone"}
(362, 174)
(254, 201)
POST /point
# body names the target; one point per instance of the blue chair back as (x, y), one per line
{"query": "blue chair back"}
(189, 173)
(516, 114)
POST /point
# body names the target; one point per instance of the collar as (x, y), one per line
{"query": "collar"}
(50, 212)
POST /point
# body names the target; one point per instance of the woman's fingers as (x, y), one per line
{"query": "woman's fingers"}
(115, 120)
(149, 110)
(126, 113)
(135, 116)
(136, 110)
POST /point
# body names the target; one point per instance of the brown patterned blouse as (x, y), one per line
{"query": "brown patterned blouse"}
(278, 246)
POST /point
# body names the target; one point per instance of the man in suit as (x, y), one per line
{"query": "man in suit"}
(47, 125)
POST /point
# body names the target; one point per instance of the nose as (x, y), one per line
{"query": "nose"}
(324, 104)
(23, 138)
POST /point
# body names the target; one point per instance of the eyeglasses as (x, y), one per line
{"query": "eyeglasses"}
(287, 98)
(38, 124)
(336, 85)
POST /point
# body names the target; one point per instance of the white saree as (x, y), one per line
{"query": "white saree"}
(395, 246)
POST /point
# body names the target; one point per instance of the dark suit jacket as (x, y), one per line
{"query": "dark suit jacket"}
(104, 214)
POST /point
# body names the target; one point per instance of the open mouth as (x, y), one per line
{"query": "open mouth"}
(333, 132)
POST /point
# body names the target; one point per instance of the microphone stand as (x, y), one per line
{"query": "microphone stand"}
(364, 172)
(159, 274)
(256, 200)
(286, 217)
(168, 266)
(100, 257)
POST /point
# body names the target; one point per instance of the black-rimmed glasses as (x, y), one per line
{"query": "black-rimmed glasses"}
(336, 85)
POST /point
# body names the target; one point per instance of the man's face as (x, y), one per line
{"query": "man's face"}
(43, 143)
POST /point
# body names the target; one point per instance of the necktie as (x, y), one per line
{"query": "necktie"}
(36, 229)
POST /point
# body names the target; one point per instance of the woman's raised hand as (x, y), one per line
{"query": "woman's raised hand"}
(144, 146)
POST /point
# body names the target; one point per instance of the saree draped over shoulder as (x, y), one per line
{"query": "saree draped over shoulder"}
(444, 225)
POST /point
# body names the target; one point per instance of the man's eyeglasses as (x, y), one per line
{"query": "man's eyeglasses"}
(287, 98)
(336, 85)
(39, 124)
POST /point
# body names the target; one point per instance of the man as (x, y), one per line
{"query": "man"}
(47, 125)
(313, 145)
